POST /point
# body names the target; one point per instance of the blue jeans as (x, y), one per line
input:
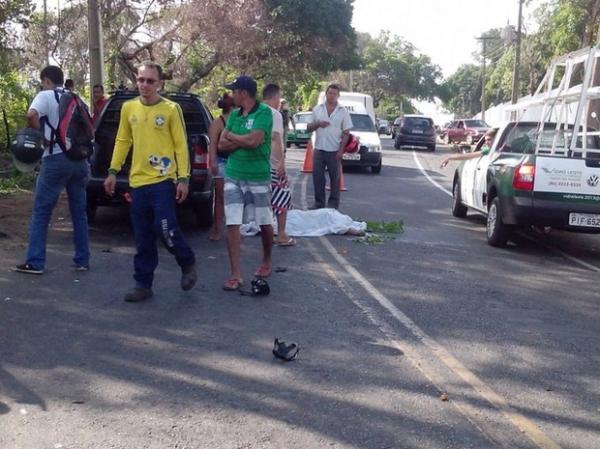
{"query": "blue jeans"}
(153, 216)
(57, 173)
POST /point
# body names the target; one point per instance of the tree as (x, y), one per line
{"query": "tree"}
(461, 92)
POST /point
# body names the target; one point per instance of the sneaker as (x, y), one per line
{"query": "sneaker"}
(29, 269)
(139, 294)
(189, 276)
(81, 267)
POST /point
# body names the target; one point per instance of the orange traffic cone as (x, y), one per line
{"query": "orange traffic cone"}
(308, 158)
(342, 183)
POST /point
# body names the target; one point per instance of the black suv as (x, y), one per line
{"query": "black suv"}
(197, 120)
(415, 131)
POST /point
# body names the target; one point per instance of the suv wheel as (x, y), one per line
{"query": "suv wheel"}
(431, 148)
(458, 208)
(497, 232)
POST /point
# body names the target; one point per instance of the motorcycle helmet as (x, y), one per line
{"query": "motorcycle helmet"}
(27, 149)
(260, 287)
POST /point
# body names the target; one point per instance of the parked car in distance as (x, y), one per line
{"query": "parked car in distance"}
(468, 131)
(395, 127)
(383, 127)
(369, 152)
(300, 136)
(415, 131)
(197, 120)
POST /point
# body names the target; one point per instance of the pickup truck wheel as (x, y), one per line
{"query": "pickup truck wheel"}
(447, 139)
(91, 209)
(458, 208)
(376, 169)
(204, 213)
(497, 232)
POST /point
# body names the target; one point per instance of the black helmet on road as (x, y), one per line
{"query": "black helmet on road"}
(27, 149)
(260, 287)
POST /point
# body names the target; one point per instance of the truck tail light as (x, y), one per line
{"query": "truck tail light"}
(524, 177)
(199, 160)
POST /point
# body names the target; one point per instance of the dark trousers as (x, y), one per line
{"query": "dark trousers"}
(153, 216)
(321, 160)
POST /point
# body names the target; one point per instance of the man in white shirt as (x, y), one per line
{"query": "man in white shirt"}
(281, 196)
(332, 124)
(57, 173)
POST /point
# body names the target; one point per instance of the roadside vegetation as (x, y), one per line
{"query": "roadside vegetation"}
(301, 45)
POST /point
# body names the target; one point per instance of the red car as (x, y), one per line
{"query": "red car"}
(467, 131)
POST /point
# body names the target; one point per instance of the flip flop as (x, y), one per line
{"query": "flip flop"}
(290, 242)
(263, 272)
(232, 284)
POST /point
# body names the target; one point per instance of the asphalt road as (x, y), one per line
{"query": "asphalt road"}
(430, 340)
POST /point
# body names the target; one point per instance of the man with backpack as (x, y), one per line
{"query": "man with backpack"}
(59, 171)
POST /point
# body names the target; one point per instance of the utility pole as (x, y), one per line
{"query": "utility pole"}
(515, 83)
(95, 46)
(483, 40)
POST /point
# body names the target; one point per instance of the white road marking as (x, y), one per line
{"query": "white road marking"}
(429, 178)
(527, 427)
(551, 248)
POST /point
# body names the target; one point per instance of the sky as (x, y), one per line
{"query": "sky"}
(445, 30)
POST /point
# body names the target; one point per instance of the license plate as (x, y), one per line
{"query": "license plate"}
(351, 156)
(417, 131)
(303, 135)
(585, 220)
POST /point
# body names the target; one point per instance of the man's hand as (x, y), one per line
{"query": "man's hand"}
(109, 185)
(323, 124)
(182, 192)
(339, 155)
(445, 162)
(281, 168)
(214, 167)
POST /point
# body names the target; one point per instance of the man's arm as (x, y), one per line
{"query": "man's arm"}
(182, 152)
(253, 140)
(277, 150)
(33, 119)
(343, 143)
(122, 143)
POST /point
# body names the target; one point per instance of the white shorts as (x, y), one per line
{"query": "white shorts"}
(247, 201)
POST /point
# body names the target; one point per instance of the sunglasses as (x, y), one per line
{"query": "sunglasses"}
(148, 81)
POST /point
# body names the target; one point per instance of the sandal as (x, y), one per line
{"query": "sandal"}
(263, 272)
(232, 284)
(289, 242)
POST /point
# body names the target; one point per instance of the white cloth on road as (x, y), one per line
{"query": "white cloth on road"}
(314, 223)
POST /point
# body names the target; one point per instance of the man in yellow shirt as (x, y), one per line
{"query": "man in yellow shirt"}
(158, 178)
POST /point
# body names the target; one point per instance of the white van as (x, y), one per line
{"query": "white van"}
(354, 102)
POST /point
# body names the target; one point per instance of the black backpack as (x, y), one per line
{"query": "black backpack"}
(75, 131)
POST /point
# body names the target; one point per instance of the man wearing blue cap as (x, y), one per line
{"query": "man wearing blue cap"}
(247, 137)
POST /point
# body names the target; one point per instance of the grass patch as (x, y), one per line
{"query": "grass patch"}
(16, 182)
(379, 232)
(392, 227)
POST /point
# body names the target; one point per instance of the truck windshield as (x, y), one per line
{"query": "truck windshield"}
(303, 118)
(522, 138)
(362, 122)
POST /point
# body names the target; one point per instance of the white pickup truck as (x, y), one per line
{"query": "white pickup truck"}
(524, 181)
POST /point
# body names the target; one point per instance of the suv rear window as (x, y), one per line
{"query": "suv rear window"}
(418, 122)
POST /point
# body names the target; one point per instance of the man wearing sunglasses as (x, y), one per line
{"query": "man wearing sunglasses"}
(159, 177)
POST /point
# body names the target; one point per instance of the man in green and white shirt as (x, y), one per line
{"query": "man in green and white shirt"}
(247, 137)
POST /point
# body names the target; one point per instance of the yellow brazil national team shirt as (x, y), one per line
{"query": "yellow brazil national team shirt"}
(160, 149)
